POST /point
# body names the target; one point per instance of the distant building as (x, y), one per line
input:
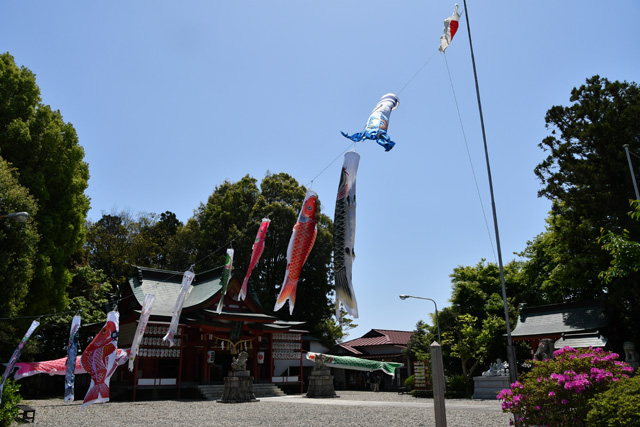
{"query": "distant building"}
(377, 344)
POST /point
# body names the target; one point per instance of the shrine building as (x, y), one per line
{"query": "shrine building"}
(206, 342)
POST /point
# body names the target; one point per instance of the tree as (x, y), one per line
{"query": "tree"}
(35, 140)
(419, 342)
(108, 246)
(473, 328)
(18, 243)
(586, 177)
(471, 341)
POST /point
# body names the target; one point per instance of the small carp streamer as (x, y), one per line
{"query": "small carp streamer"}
(224, 281)
(149, 299)
(300, 245)
(187, 278)
(256, 253)
(16, 355)
(70, 373)
(376, 128)
(344, 234)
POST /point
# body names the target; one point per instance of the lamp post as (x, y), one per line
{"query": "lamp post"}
(404, 297)
(17, 216)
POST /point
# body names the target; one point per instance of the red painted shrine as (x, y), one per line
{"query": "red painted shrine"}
(206, 342)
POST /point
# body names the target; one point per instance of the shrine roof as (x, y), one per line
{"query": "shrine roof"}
(593, 339)
(556, 319)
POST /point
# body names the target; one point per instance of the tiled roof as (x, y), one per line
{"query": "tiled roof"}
(377, 337)
(550, 320)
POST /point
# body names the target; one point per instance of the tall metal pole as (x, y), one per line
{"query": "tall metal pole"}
(510, 351)
(633, 175)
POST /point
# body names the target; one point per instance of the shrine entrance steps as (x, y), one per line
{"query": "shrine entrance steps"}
(215, 391)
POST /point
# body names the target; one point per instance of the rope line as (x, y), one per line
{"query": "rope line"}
(416, 73)
(473, 172)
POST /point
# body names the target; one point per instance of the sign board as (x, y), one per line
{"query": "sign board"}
(420, 372)
(260, 357)
(286, 346)
(211, 356)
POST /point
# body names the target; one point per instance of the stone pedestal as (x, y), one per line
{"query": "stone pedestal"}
(489, 387)
(238, 388)
(321, 384)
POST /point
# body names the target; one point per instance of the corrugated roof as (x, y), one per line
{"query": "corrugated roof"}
(556, 319)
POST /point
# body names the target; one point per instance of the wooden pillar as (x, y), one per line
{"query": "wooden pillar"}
(437, 376)
(301, 381)
(255, 361)
(135, 377)
(271, 358)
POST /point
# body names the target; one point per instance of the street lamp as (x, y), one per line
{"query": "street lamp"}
(17, 216)
(404, 297)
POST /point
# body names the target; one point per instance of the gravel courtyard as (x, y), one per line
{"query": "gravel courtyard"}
(352, 408)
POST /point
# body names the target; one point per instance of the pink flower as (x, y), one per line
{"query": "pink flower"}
(564, 401)
(552, 393)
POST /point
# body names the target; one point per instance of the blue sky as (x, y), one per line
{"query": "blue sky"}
(169, 99)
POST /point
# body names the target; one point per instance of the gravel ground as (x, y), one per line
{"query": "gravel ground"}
(352, 408)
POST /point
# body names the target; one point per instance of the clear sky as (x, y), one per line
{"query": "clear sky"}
(170, 98)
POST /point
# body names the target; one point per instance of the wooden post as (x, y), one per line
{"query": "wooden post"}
(437, 376)
(301, 381)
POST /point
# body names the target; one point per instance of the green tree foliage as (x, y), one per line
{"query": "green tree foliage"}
(18, 242)
(107, 244)
(44, 149)
(618, 406)
(471, 341)
(625, 253)
(586, 176)
(419, 342)
(18, 245)
(10, 400)
(473, 327)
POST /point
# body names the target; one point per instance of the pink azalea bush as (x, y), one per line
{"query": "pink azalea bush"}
(556, 392)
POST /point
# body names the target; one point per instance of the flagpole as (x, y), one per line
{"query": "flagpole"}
(513, 374)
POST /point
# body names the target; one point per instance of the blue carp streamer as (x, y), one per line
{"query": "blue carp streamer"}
(376, 128)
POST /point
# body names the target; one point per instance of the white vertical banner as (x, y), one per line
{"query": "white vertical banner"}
(149, 299)
(186, 288)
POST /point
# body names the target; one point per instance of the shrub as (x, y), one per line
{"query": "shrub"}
(457, 386)
(410, 381)
(10, 400)
(558, 391)
(618, 406)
